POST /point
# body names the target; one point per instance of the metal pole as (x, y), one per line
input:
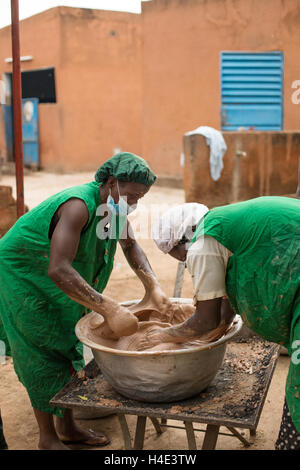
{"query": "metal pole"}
(17, 106)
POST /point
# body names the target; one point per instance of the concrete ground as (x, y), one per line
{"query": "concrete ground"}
(20, 427)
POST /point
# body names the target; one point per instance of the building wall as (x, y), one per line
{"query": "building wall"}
(39, 38)
(139, 82)
(181, 64)
(97, 61)
(255, 164)
(100, 88)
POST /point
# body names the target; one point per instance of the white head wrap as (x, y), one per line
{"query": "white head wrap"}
(175, 223)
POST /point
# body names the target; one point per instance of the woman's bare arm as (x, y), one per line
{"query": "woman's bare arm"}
(206, 318)
(139, 263)
(73, 216)
(209, 323)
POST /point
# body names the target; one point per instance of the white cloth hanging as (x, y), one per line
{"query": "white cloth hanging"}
(218, 147)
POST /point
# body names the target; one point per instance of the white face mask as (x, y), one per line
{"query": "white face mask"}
(121, 208)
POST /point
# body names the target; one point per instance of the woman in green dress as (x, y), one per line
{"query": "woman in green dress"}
(54, 265)
(244, 259)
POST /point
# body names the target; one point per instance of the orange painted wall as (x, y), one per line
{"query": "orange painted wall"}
(97, 60)
(39, 37)
(181, 64)
(100, 90)
(139, 82)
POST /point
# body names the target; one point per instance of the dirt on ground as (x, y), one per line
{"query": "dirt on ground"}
(20, 427)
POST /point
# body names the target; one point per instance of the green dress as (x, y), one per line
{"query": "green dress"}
(37, 318)
(263, 275)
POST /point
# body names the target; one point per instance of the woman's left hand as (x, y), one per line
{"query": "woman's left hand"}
(154, 299)
(160, 300)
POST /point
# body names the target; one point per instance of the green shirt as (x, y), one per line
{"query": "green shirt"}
(263, 274)
(38, 318)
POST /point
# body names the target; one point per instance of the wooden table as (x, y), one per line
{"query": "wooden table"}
(235, 398)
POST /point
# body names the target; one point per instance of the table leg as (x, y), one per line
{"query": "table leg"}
(211, 437)
(156, 424)
(190, 435)
(252, 436)
(179, 279)
(239, 436)
(125, 431)
(140, 433)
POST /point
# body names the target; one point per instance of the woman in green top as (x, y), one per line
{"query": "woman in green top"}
(249, 253)
(54, 265)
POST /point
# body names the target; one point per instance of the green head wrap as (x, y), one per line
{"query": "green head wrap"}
(126, 167)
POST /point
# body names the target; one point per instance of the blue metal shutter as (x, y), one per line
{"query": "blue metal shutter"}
(251, 88)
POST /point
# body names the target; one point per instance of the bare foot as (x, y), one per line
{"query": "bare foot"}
(51, 443)
(87, 437)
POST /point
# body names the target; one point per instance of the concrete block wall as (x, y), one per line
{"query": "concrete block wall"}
(255, 164)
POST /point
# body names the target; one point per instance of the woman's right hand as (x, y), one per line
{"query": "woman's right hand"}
(118, 318)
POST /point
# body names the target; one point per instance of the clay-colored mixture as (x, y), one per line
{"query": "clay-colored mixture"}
(152, 319)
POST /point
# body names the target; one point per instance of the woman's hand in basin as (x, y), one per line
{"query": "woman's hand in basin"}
(158, 335)
(120, 321)
(160, 300)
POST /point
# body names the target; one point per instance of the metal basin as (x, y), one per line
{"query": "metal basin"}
(159, 376)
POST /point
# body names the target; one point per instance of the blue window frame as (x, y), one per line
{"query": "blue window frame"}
(252, 91)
